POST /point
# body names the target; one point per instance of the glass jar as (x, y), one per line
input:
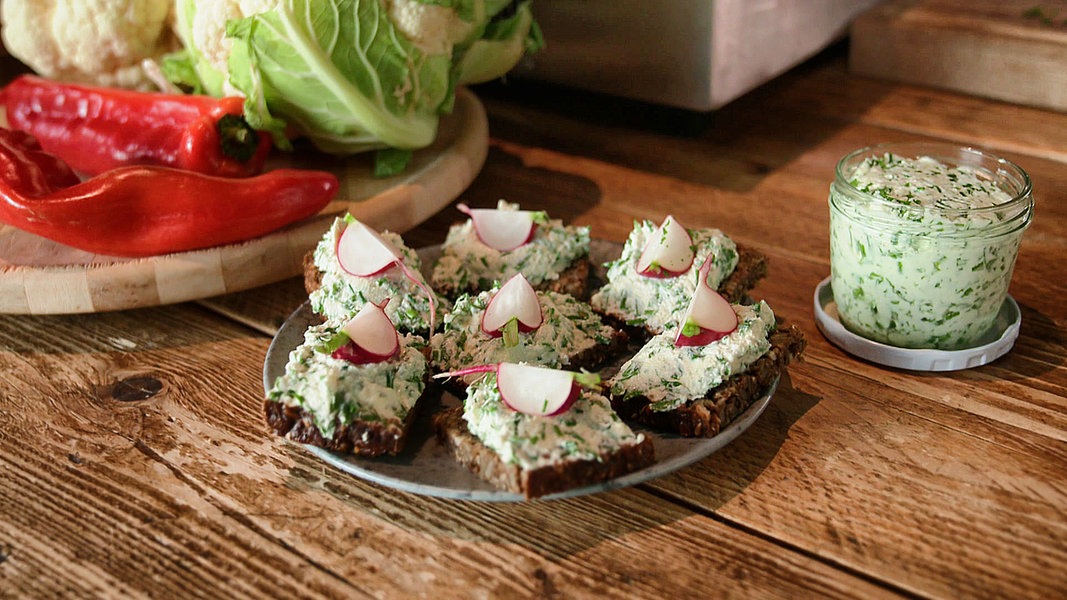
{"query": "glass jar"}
(918, 258)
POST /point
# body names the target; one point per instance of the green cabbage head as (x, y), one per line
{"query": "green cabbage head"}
(351, 75)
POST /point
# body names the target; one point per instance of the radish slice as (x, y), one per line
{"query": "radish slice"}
(533, 390)
(536, 390)
(372, 330)
(363, 252)
(369, 337)
(710, 316)
(502, 230)
(669, 253)
(516, 300)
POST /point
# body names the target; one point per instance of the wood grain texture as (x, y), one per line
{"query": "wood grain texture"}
(858, 481)
(186, 493)
(994, 48)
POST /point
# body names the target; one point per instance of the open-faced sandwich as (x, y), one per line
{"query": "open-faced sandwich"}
(518, 282)
(352, 386)
(650, 284)
(515, 323)
(495, 244)
(536, 431)
(699, 375)
(354, 265)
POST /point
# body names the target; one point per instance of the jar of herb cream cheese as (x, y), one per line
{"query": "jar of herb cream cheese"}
(923, 240)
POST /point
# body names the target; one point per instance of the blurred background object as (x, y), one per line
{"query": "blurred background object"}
(1013, 50)
(693, 54)
(104, 42)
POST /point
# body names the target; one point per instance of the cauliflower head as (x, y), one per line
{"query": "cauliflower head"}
(201, 24)
(99, 42)
(350, 75)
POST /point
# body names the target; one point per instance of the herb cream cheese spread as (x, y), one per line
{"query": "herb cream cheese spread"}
(657, 303)
(569, 328)
(337, 392)
(921, 253)
(587, 431)
(670, 376)
(466, 264)
(341, 295)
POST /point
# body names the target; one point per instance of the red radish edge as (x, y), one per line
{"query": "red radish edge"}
(719, 307)
(511, 243)
(381, 258)
(356, 351)
(558, 406)
(519, 293)
(536, 390)
(673, 229)
(397, 260)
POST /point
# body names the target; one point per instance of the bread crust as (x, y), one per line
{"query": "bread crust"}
(452, 431)
(574, 280)
(751, 268)
(312, 274)
(364, 438)
(705, 417)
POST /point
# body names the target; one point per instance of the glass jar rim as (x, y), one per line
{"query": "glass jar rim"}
(939, 151)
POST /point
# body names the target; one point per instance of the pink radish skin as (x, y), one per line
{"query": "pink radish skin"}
(669, 253)
(372, 336)
(362, 252)
(534, 390)
(709, 313)
(502, 230)
(517, 300)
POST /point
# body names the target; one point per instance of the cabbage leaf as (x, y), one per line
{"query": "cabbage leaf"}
(340, 73)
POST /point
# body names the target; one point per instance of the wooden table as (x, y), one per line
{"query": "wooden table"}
(134, 460)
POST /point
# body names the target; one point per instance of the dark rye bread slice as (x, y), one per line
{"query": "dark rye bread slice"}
(706, 416)
(574, 281)
(751, 268)
(452, 431)
(365, 438)
(312, 274)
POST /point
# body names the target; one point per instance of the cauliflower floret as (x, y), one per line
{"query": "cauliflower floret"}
(101, 42)
(208, 28)
(433, 28)
(201, 24)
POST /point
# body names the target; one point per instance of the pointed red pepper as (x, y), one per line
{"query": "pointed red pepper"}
(146, 210)
(96, 129)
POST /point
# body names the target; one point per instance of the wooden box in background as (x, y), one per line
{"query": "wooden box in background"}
(693, 54)
(1012, 50)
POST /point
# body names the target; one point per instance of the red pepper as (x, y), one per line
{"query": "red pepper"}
(97, 129)
(148, 210)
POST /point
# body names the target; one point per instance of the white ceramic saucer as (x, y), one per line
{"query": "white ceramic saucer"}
(992, 346)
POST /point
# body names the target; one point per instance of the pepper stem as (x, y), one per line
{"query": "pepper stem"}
(237, 139)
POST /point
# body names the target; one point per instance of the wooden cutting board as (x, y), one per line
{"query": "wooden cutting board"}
(1012, 50)
(39, 276)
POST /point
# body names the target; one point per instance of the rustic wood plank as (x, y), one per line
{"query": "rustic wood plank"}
(855, 460)
(984, 47)
(1023, 419)
(828, 91)
(924, 484)
(186, 493)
